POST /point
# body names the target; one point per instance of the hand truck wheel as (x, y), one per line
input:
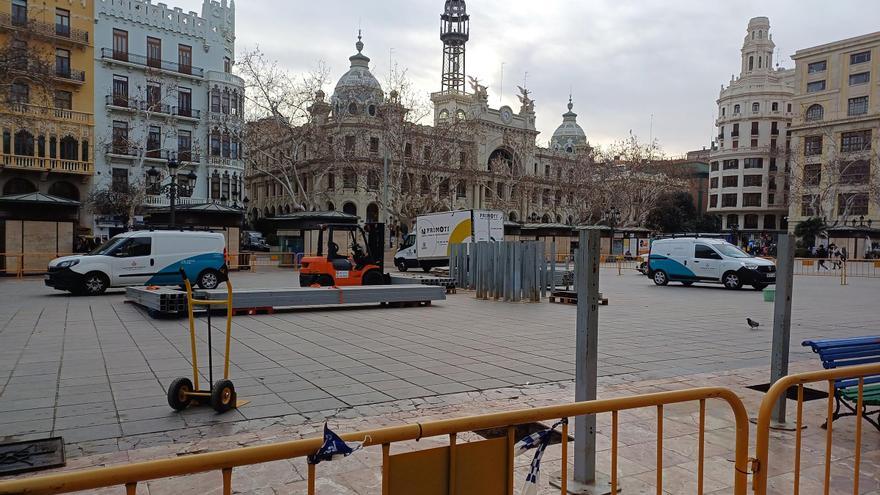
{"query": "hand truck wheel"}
(223, 396)
(178, 393)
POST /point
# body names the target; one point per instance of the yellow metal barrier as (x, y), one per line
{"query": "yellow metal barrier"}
(762, 444)
(398, 468)
(835, 267)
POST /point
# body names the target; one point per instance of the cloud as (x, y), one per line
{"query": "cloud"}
(624, 60)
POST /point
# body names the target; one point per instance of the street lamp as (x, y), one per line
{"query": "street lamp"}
(173, 189)
(612, 216)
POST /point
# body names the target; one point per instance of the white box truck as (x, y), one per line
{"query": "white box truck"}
(427, 246)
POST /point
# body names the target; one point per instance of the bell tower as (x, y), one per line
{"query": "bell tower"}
(758, 46)
(454, 33)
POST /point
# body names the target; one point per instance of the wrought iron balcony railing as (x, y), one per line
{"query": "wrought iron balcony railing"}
(56, 31)
(110, 54)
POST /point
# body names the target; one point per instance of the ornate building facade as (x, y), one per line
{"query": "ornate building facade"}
(748, 187)
(359, 154)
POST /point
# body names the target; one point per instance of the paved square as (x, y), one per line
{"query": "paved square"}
(95, 369)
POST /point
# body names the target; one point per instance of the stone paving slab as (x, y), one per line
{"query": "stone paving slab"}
(94, 369)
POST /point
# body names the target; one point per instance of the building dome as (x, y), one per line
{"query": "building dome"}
(569, 135)
(357, 92)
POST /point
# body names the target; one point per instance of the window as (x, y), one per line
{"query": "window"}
(154, 141)
(226, 146)
(751, 63)
(120, 44)
(730, 181)
(352, 108)
(62, 63)
(227, 65)
(224, 102)
(704, 252)
(774, 106)
(215, 100)
(855, 172)
(735, 132)
(816, 67)
(184, 59)
(444, 188)
(734, 144)
(154, 52)
(807, 202)
(855, 141)
(63, 99)
(152, 182)
(714, 166)
(731, 164)
(852, 204)
(788, 108)
(184, 102)
(62, 22)
(752, 180)
(750, 221)
(349, 179)
(120, 91)
(713, 201)
(374, 145)
(215, 143)
(407, 150)
(187, 185)
(753, 163)
(815, 86)
(752, 199)
(754, 128)
(812, 174)
(120, 137)
(546, 170)
(858, 106)
(19, 12)
(736, 109)
(426, 185)
(372, 180)
(426, 154)
(184, 146)
(713, 183)
(769, 222)
(774, 128)
(814, 112)
(120, 180)
(728, 200)
(860, 58)
(860, 78)
(461, 189)
(462, 158)
(331, 181)
(499, 190)
(349, 145)
(154, 97)
(812, 145)
(215, 186)
(756, 107)
(723, 111)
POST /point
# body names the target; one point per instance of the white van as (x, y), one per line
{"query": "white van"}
(695, 259)
(142, 258)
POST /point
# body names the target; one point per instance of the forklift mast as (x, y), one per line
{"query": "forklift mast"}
(376, 243)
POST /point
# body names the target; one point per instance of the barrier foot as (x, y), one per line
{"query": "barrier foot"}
(600, 486)
(780, 426)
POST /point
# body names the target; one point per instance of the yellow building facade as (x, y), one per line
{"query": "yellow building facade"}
(46, 111)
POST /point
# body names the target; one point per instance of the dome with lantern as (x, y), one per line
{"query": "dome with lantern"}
(569, 135)
(358, 92)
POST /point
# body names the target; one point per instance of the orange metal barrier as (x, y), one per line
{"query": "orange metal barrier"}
(409, 470)
(761, 465)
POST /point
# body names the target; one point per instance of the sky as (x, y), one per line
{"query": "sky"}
(653, 67)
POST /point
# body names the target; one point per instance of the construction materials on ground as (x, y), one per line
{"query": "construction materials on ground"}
(508, 270)
(447, 282)
(571, 297)
(162, 299)
(328, 296)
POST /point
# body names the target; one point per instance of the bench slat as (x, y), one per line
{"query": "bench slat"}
(854, 351)
(826, 343)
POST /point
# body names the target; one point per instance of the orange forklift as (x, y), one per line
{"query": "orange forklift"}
(364, 266)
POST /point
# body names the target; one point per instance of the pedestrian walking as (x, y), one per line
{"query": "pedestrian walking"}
(821, 254)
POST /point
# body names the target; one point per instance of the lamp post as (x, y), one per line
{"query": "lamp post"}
(173, 188)
(612, 216)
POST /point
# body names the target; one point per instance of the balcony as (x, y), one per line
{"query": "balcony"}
(139, 60)
(124, 150)
(69, 75)
(42, 164)
(161, 200)
(56, 32)
(225, 161)
(186, 113)
(36, 111)
(124, 102)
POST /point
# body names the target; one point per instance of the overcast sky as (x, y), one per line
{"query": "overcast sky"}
(624, 60)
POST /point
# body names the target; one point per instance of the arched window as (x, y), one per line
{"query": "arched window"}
(558, 218)
(85, 150)
(570, 220)
(372, 212)
(69, 148)
(18, 185)
(732, 221)
(24, 143)
(751, 221)
(545, 218)
(751, 62)
(349, 208)
(372, 110)
(512, 216)
(756, 107)
(759, 62)
(444, 114)
(64, 189)
(815, 112)
(331, 206)
(352, 108)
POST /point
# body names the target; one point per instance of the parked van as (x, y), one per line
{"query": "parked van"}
(696, 259)
(142, 258)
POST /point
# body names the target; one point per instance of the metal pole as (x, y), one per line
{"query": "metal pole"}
(172, 196)
(782, 317)
(553, 266)
(542, 259)
(586, 367)
(385, 185)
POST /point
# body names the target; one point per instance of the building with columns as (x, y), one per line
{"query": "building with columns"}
(164, 92)
(748, 187)
(472, 156)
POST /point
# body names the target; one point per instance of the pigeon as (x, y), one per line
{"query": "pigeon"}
(752, 323)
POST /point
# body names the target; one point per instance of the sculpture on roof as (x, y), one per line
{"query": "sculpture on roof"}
(480, 91)
(528, 104)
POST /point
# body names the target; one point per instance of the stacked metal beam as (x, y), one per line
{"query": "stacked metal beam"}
(162, 299)
(447, 282)
(325, 296)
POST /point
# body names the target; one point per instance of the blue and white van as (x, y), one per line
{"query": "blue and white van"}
(142, 258)
(696, 259)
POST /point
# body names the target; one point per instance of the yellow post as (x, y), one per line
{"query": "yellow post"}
(192, 332)
(228, 326)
